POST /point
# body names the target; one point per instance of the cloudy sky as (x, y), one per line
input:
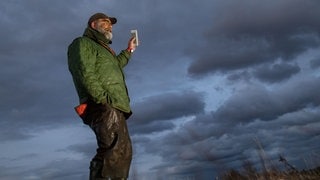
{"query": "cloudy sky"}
(211, 82)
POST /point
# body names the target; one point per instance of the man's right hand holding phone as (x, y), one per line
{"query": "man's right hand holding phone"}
(132, 45)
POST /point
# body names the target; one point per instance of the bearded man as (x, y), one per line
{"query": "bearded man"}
(97, 73)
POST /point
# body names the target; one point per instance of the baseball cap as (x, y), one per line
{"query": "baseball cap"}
(97, 16)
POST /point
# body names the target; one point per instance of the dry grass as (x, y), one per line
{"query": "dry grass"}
(249, 174)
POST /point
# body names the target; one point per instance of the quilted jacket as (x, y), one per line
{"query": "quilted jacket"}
(97, 71)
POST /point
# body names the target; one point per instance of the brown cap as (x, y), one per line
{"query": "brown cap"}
(101, 16)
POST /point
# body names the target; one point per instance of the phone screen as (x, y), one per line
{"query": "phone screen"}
(134, 33)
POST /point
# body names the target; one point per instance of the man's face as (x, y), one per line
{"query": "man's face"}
(104, 26)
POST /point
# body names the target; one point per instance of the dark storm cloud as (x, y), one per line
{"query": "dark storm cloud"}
(60, 170)
(152, 113)
(34, 26)
(191, 149)
(249, 33)
(244, 75)
(270, 73)
(33, 75)
(276, 72)
(86, 149)
(152, 127)
(259, 103)
(315, 63)
(184, 151)
(280, 119)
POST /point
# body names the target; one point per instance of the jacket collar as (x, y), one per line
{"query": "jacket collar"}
(96, 36)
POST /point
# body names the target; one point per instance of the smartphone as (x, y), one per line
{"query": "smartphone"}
(134, 33)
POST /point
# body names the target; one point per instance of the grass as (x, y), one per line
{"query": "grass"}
(311, 174)
(249, 172)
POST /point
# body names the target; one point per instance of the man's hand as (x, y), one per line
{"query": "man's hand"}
(132, 45)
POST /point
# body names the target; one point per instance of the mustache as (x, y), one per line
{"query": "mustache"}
(108, 30)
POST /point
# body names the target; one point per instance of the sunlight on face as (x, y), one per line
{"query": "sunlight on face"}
(104, 26)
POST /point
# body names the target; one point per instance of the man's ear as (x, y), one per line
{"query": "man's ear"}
(93, 25)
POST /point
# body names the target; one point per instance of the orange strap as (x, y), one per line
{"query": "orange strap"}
(81, 109)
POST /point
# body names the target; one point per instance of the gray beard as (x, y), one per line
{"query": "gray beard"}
(107, 34)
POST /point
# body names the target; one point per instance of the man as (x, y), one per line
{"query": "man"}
(98, 76)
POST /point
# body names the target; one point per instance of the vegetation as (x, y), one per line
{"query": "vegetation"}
(249, 174)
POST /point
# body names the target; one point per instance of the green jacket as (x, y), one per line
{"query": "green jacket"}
(97, 71)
